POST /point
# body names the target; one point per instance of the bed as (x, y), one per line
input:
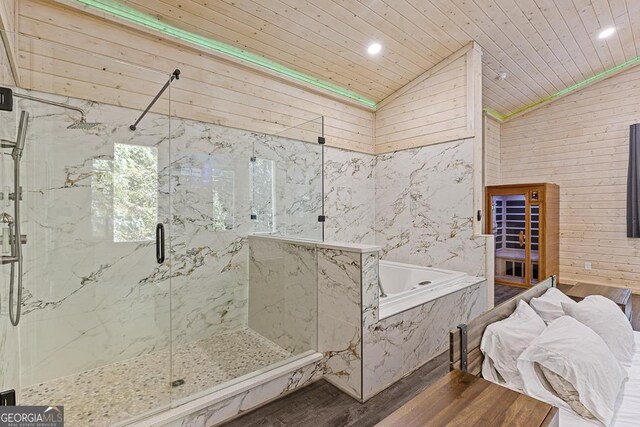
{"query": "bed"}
(465, 355)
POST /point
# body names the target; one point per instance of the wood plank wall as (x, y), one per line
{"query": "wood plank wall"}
(6, 75)
(8, 25)
(8, 16)
(492, 146)
(581, 143)
(429, 110)
(211, 89)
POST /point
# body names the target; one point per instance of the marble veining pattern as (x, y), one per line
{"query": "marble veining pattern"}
(417, 204)
(370, 289)
(349, 196)
(424, 207)
(339, 317)
(398, 345)
(283, 293)
(94, 295)
(236, 405)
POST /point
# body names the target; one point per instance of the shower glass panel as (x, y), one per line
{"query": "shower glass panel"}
(286, 172)
(95, 329)
(227, 184)
(9, 335)
(107, 330)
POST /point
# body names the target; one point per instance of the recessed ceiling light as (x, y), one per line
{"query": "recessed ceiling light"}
(374, 48)
(606, 32)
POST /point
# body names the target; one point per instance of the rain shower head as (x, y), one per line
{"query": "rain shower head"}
(82, 124)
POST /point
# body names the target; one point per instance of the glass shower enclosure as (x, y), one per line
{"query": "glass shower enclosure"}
(108, 329)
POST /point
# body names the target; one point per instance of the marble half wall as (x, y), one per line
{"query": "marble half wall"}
(283, 292)
(340, 317)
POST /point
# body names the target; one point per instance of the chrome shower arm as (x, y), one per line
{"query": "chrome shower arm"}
(56, 104)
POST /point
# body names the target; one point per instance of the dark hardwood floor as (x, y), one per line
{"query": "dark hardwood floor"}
(323, 405)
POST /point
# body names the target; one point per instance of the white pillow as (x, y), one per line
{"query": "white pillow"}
(578, 355)
(607, 320)
(504, 341)
(548, 306)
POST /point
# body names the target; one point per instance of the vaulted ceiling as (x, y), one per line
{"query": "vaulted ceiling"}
(543, 46)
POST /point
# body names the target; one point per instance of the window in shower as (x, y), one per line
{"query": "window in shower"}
(124, 194)
(264, 206)
(135, 192)
(223, 199)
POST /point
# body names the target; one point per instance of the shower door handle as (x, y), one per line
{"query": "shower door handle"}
(160, 243)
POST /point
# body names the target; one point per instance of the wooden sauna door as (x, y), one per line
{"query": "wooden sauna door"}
(516, 221)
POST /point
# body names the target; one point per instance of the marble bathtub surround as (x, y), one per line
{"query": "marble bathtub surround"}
(398, 345)
(363, 354)
(416, 204)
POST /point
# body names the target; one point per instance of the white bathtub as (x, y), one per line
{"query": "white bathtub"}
(407, 286)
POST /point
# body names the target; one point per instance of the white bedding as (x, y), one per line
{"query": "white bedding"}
(627, 413)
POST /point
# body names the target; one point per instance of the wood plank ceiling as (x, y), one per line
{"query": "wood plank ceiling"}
(543, 46)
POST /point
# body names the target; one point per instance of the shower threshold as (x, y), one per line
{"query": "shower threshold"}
(123, 391)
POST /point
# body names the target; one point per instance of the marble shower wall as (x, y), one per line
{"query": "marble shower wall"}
(94, 293)
(349, 196)
(417, 204)
(287, 182)
(283, 292)
(424, 207)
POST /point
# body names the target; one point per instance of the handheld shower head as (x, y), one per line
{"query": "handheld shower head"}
(22, 135)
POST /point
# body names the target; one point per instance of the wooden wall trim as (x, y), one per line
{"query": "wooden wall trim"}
(474, 125)
(67, 52)
(559, 97)
(236, 61)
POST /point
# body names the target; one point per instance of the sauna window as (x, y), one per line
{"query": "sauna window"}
(498, 212)
(534, 271)
(515, 223)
